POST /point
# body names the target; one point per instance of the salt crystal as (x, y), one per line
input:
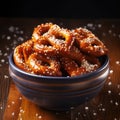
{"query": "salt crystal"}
(117, 62)
(86, 108)
(110, 31)
(1, 53)
(8, 38)
(20, 39)
(22, 111)
(116, 103)
(111, 101)
(76, 118)
(20, 114)
(90, 25)
(111, 71)
(94, 113)
(99, 25)
(20, 98)
(119, 35)
(21, 32)
(100, 105)
(103, 109)
(13, 102)
(16, 28)
(110, 83)
(36, 114)
(109, 91)
(8, 106)
(13, 113)
(5, 54)
(20, 118)
(2, 60)
(39, 116)
(11, 28)
(6, 77)
(118, 86)
(7, 48)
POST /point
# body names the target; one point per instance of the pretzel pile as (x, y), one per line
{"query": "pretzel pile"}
(56, 51)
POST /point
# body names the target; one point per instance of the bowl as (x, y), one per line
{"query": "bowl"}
(59, 93)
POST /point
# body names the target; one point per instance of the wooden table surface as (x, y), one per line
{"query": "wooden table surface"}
(105, 106)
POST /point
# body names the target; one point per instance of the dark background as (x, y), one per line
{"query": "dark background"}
(61, 8)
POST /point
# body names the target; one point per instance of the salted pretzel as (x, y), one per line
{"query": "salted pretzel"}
(43, 65)
(74, 53)
(21, 54)
(41, 30)
(58, 37)
(44, 47)
(88, 42)
(61, 38)
(71, 67)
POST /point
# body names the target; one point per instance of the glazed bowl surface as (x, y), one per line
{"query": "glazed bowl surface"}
(59, 93)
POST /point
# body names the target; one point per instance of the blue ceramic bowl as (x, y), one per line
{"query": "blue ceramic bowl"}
(59, 93)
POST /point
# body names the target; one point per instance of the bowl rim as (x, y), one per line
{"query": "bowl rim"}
(87, 75)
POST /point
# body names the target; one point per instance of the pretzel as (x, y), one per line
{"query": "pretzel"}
(60, 38)
(41, 30)
(74, 53)
(44, 47)
(89, 43)
(21, 54)
(72, 67)
(43, 65)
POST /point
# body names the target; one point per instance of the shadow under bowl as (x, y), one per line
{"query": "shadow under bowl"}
(59, 93)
